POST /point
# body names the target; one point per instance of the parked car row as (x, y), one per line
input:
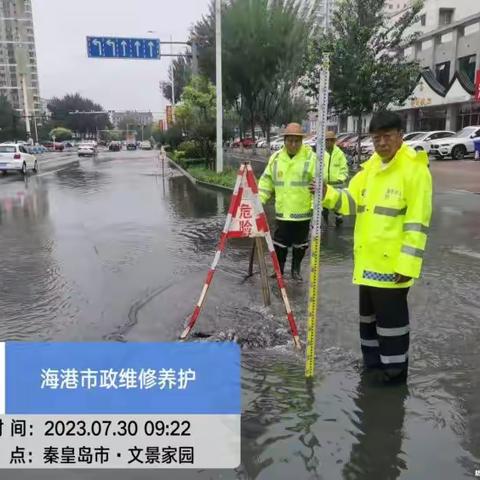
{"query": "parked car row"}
(457, 146)
(438, 143)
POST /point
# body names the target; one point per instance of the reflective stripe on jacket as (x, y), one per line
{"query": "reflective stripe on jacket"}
(335, 166)
(288, 179)
(393, 204)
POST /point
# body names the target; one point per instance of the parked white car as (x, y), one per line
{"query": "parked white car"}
(366, 147)
(410, 135)
(458, 146)
(423, 141)
(15, 157)
(145, 145)
(312, 142)
(86, 150)
(277, 143)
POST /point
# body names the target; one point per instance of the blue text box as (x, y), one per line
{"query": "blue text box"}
(40, 378)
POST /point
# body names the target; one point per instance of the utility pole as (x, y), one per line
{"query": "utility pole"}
(218, 57)
(25, 104)
(22, 61)
(194, 58)
(35, 127)
(173, 81)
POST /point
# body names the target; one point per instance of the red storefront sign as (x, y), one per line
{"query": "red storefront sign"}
(477, 86)
(169, 116)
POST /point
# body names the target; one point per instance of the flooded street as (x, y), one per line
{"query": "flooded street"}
(111, 250)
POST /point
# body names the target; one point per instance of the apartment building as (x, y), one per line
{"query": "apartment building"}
(18, 57)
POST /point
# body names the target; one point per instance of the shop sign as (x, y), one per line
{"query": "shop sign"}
(420, 102)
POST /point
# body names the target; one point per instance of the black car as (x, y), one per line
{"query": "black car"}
(131, 146)
(115, 146)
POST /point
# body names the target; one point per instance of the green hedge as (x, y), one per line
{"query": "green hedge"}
(191, 149)
(188, 163)
(226, 178)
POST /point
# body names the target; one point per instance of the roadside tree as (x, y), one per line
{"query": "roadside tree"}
(12, 126)
(196, 114)
(181, 71)
(66, 112)
(61, 134)
(368, 70)
(264, 46)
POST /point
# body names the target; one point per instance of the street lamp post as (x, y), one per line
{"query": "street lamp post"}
(35, 127)
(218, 58)
(173, 77)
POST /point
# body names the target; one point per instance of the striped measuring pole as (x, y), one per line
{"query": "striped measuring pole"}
(262, 226)
(314, 287)
(234, 203)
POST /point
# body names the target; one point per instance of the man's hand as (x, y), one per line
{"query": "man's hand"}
(399, 278)
(311, 187)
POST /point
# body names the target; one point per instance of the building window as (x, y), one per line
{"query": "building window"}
(469, 115)
(427, 44)
(448, 37)
(467, 66)
(442, 73)
(423, 19)
(445, 16)
(469, 29)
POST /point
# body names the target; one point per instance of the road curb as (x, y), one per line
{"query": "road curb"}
(195, 181)
(214, 185)
(183, 171)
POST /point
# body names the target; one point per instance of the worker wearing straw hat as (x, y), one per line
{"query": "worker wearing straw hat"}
(335, 170)
(287, 177)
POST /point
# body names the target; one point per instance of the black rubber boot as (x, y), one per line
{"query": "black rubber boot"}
(325, 216)
(282, 258)
(297, 257)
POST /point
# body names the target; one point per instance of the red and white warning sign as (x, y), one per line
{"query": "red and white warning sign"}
(245, 219)
(247, 212)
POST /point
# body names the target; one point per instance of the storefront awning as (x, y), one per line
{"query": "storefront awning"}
(430, 93)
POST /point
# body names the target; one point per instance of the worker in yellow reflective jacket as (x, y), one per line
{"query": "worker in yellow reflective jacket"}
(392, 199)
(288, 175)
(335, 170)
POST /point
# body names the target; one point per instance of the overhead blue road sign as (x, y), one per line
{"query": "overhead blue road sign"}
(118, 47)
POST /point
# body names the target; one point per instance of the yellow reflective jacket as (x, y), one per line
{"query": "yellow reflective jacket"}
(393, 205)
(335, 166)
(289, 179)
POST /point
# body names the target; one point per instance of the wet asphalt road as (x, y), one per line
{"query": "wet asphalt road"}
(109, 249)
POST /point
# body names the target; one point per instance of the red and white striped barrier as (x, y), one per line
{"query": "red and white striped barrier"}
(245, 219)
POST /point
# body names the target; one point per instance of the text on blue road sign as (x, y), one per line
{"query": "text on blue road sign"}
(119, 47)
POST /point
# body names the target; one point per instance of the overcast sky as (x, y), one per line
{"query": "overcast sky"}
(61, 28)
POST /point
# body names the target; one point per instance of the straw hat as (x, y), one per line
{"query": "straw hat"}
(330, 135)
(294, 130)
